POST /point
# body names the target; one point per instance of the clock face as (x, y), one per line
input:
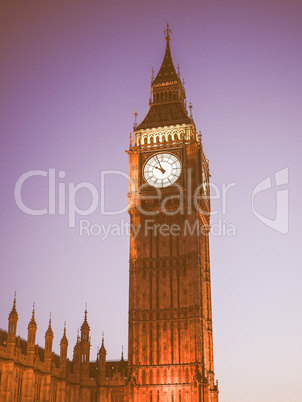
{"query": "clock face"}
(162, 170)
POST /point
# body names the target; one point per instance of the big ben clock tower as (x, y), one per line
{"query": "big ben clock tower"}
(170, 317)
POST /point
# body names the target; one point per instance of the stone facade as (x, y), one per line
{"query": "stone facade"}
(31, 373)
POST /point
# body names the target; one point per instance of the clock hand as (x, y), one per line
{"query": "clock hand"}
(162, 170)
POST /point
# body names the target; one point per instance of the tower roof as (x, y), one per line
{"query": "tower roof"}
(13, 313)
(167, 72)
(49, 331)
(85, 325)
(64, 337)
(32, 322)
(167, 103)
(102, 349)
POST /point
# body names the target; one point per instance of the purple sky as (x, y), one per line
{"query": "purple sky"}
(71, 75)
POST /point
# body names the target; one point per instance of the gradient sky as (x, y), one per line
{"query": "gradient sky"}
(71, 75)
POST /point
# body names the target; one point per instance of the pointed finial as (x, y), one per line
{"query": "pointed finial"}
(33, 321)
(178, 70)
(167, 32)
(85, 318)
(122, 358)
(135, 118)
(190, 107)
(49, 331)
(13, 312)
(14, 303)
(152, 74)
(64, 331)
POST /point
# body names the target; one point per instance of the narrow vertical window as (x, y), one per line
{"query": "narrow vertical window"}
(172, 343)
(151, 344)
(178, 288)
(157, 290)
(171, 289)
(150, 242)
(157, 341)
(179, 348)
(150, 289)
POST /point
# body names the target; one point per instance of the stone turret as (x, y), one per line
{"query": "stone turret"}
(48, 343)
(63, 346)
(85, 346)
(31, 337)
(12, 328)
(102, 362)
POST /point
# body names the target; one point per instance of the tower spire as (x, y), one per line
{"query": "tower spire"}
(49, 329)
(48, 342)
(135, 119)
(13, 310)
(64, 337)
(85, 328)
(63, 346)
(167, 72)
(33, 320)
(12, 327)
(31, 338)
(167, 32)
(167, 95)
